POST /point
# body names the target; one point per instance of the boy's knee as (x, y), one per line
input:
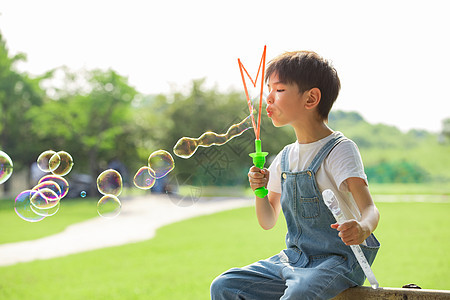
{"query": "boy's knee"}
(318, 287)
(215, 286)
(218, 287)
(298, 290)
(225, 286)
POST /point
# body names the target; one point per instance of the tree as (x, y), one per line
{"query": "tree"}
(18, 94)
(90, 118)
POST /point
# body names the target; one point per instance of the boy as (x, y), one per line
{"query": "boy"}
(317, 263)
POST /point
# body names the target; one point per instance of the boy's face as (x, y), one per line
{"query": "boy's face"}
(284, 102)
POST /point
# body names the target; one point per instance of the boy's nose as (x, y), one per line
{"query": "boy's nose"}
(269, 99)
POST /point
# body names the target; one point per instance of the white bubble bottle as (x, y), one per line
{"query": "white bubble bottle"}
(333, 204)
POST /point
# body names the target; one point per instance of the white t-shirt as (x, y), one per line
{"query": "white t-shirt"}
(343, 162)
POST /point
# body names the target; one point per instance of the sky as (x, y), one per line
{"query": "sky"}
(392, 57)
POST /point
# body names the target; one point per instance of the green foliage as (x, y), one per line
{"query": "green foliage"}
(390, 155)
(94, 123)
(97, 116)
(18, 94)
(379, 136)
(396, 172)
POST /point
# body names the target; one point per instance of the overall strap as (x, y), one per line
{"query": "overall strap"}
(285, 160)
(317, 161)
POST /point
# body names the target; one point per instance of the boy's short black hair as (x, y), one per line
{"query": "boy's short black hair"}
(308, 70)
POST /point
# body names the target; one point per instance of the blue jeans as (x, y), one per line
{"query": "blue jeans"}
(284, 277)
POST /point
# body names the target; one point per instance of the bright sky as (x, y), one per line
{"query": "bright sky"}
(392, 56)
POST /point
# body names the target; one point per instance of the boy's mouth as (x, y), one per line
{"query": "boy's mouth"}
(269, 113)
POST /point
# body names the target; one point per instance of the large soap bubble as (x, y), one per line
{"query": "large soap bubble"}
(161, 162)
(109, 206)
(186, 146)
(59, 180)
(144, 178)
(43, 161)
(64, 161)
(45, 199)
(6, 167)
(22, 206)
(109, 182)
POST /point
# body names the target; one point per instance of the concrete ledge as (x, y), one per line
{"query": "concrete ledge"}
(367, 293)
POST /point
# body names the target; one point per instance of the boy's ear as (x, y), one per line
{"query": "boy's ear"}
(314, 96)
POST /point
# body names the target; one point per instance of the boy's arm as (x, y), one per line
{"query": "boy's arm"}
(267, 208)
(354, 232)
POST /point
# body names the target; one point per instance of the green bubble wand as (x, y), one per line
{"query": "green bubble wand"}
(259, 157)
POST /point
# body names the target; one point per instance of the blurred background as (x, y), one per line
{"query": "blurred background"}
(110, 82)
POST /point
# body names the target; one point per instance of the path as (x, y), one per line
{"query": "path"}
(138, 221)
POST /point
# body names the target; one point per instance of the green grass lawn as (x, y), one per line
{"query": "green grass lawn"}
(14, 229)
(415, 239)
(425, 188)
(183, 258)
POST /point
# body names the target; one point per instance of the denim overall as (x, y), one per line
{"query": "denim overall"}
(316, 263)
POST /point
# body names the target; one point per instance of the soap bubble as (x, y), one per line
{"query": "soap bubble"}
(22, 207)
(48, 184)
(109, 182)
(161, 162)
(144, 178)
(109, 206)
(43, 161)
(64, 161)
(83, 194)
(6, 167)
(46, 212)
(186, 146)
(61, 181)
(44, 199)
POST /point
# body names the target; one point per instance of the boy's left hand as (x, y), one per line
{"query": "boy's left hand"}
(351, 232)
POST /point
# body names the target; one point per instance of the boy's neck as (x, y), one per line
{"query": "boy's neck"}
(309, 132)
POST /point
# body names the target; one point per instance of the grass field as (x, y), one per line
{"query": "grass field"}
(183, 258)
(14, 229)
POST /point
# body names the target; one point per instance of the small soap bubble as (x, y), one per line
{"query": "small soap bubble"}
(144, 178)
(61, 181)
(64, 161)
(161, 162)
(6, 167)
(109, 182)
(109, 206)
(43, 161)
(22, 207)
(83, 194)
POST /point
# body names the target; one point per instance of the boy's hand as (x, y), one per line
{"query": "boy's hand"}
(351, 232)
(258, 178)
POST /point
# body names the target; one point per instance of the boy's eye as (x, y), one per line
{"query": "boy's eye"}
(279, 91)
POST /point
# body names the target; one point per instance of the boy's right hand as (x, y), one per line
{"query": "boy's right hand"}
(258, 178)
